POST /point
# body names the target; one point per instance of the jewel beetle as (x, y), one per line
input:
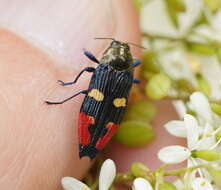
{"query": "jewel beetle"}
(106, 98)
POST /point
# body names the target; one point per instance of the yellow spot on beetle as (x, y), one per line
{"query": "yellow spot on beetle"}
(109, 125)
(96, 94)
(119, 102)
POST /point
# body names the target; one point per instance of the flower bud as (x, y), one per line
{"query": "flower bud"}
(134, 133)
(200, 48)
(139, 170)
(216, 108)
(203, 85)
(158, 86)
(208, 155)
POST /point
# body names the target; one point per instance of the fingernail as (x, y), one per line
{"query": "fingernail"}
(62, 28)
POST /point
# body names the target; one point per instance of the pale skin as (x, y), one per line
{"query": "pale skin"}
(39, 142)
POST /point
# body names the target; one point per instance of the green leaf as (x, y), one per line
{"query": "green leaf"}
(200, 48)
(158, 86)
(203, 85)
(208, 155)
(166, 186)
(141, 110)
(213, 5)
(134, 133)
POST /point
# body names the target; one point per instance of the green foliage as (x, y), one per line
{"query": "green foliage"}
(158, 86)
(134, 133)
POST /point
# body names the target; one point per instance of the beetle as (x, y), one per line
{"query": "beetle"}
(106, 98)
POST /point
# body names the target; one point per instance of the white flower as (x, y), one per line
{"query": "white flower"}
(194, 183)
(201, 184)
(174, 154)
(197, 138)
(176, 128)
(180, 107)
(106, 178)
(70, 183)
(107, 174)
(201, 106)
(141, 184)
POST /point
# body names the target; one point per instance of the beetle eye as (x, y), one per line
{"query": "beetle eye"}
(127, 46)
(114, 43)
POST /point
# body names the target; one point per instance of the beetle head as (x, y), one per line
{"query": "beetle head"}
(118, 56)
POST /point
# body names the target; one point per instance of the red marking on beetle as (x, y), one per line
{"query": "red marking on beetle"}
(102, 141)
(83, 132)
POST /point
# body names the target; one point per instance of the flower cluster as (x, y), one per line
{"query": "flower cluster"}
(201, 130)
(106, 178)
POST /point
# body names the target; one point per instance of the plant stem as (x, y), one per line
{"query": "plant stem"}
(178, 172)
(124, 177)
(95, 185)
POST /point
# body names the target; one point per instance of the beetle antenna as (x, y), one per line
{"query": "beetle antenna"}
(136, 45)
(104, 39)
(133, 44)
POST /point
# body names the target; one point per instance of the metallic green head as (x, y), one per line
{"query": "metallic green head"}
(118, 56)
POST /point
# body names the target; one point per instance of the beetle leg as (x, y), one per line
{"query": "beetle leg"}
(88, 69)
(136, 63)
(136, 81)
(91, 56)
(63, 101)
